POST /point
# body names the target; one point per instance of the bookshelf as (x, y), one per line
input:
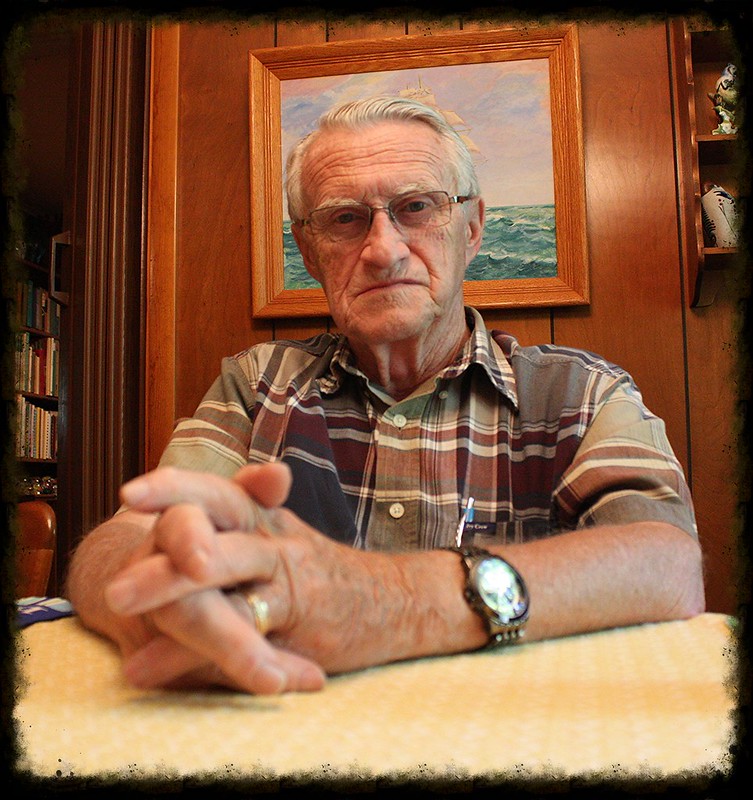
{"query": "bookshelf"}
(39, 312)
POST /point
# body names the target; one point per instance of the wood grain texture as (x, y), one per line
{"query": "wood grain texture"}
(354, 28)
(529, 326)
(683, 111)
(161, 244)
(213, 286)
(295, 32)
(713, 348)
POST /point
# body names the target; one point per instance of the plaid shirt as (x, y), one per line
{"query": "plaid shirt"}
(545, 438)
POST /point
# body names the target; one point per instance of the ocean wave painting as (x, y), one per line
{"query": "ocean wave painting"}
(295, 273)
(519, 242)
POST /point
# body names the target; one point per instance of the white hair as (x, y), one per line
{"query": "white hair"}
(361, 113)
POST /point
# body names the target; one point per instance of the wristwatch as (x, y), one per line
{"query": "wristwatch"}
(495, 590)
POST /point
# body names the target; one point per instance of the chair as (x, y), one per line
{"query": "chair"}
(35, 547)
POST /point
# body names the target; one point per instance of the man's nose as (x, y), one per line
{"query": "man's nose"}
(385, 243)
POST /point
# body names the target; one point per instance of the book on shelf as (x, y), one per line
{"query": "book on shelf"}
(37, 364)
(36, 435)
(36, 308)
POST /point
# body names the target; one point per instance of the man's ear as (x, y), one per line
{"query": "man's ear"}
(476, 214)
(307, 251)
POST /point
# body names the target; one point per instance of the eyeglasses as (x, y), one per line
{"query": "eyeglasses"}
(412, 211)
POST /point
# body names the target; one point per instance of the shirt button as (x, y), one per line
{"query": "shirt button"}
(397, 510)
(443, 394)
(399, 421)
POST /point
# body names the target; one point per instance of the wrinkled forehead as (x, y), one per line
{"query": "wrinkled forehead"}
(374, 158)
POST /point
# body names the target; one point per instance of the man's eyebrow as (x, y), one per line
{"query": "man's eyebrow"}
(407, 189)
(339, 201)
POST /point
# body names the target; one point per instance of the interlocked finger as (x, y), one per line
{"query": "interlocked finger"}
(205, 635)
(226, 504)
(236, 559)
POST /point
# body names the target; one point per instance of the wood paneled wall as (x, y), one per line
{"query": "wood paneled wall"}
(199, 253)
(100, 393)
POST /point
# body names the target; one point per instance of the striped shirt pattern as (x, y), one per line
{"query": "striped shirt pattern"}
(545, 438)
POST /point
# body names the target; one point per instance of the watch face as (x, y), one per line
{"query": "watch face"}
(500, 589)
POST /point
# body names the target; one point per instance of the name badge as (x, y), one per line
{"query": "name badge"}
(473, 528)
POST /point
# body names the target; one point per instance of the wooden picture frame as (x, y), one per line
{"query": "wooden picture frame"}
(558, 46)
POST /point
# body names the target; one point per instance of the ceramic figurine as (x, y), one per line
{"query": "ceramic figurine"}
(726, 120)
(724, 98)
(719, 216)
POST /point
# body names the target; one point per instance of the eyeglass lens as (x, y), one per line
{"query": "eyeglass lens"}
(409, 211)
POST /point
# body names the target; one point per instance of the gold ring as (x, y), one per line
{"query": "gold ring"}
(260, 610)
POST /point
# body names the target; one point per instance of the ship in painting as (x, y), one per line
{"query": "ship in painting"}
(425, 95)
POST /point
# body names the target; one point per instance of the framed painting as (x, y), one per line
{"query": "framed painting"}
(513, 95)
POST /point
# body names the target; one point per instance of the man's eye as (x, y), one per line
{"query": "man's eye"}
(344, 218)
(414, 205)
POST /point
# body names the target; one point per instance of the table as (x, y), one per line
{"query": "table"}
(654, 699)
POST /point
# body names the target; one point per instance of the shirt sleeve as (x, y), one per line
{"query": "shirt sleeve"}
(216, 438)
(624, 469)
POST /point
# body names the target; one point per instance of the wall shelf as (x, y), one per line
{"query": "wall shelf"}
(703, 158)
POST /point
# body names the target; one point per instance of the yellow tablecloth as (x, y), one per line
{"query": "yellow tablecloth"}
(655, 699)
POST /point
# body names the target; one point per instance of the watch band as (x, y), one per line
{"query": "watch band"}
(501, 631)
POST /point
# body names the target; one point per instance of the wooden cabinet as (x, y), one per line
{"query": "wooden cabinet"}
(706, 155)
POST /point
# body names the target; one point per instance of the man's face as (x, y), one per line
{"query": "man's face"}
(390, 285)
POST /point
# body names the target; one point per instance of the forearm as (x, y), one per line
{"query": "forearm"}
(580, 581)
(96, 560)
(606, 577)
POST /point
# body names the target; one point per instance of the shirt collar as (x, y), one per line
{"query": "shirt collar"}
(480, 349)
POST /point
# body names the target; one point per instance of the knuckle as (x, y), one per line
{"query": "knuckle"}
(175, 523)
(171, 476)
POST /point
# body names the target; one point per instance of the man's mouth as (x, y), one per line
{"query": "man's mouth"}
(386, 285)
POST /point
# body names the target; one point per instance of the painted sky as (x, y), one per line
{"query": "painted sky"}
(505, 106)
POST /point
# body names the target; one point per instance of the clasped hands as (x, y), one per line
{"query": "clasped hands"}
(212, 535)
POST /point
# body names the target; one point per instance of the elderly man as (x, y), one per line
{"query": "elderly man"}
(306, 520)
